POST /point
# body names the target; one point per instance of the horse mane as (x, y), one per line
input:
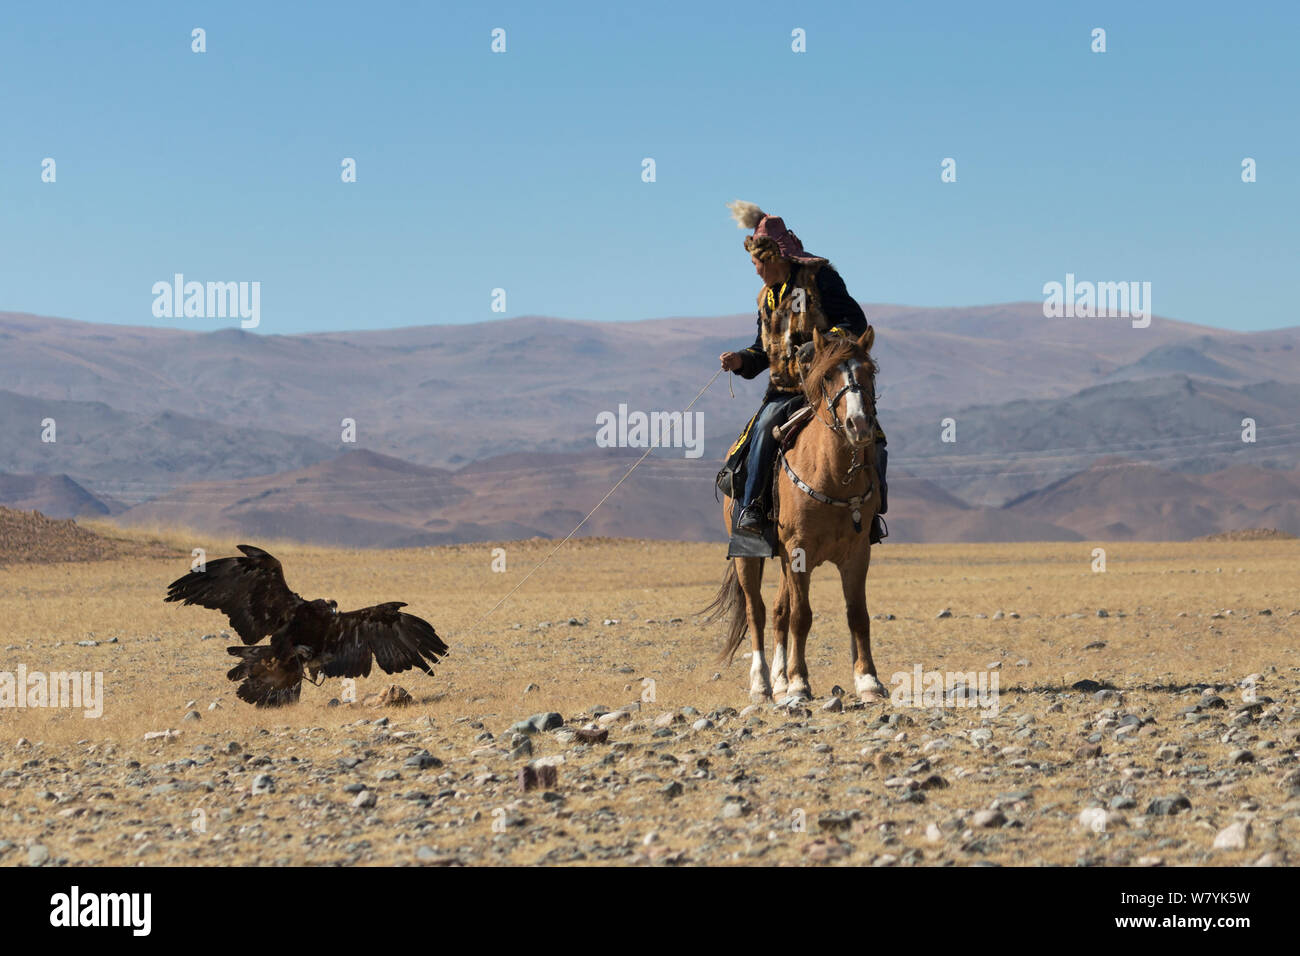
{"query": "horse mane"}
(838, 349)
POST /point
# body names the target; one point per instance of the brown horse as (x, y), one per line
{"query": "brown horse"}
(826, 495)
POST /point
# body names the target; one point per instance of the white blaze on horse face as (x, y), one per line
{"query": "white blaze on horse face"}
(857, 421)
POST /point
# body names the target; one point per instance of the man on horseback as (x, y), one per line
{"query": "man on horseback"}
(801, 292)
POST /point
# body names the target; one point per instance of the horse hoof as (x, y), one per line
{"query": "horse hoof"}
(757, 697)
(869, 688)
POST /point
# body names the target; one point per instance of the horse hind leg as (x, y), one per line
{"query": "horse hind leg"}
(750, 574)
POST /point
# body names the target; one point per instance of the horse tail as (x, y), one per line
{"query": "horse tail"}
(729, 600)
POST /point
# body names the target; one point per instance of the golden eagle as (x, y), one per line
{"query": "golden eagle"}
(252, 593)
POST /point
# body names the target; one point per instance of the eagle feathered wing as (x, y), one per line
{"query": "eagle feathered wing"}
(250, 591)
(266, 680)
(395, 640)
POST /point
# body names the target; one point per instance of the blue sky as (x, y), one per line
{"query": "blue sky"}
(522, 170)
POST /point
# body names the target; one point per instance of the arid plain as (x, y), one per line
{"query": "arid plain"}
(1191, 741)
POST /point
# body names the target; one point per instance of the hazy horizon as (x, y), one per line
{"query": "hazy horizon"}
(742, 329)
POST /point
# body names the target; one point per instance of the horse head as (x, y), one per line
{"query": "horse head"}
(842, 376)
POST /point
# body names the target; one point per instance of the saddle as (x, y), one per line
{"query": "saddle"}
(786, 434)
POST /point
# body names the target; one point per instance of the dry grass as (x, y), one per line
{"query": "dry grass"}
(158, 665)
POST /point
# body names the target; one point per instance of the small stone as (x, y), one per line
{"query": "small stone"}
(1233, 837)
(423, 760)
(535, 776)
(37, 854)
(1168, 806)
(366, 798)
(263, 783)
(394, 696)
(544, 722)
(824, 851)
(945, 613)
(733, 809)
(988, 819)
(833, 706)
(837, 820)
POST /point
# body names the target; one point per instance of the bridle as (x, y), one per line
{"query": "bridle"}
(852, 388)
(856, 461)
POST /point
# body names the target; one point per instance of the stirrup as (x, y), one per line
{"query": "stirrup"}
(876, 535)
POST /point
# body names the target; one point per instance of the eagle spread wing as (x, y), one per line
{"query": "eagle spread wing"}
(395, 640)
(250, 591)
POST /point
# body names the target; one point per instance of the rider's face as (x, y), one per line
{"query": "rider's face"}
(771, 271)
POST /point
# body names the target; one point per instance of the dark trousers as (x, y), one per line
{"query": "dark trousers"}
(763, 447)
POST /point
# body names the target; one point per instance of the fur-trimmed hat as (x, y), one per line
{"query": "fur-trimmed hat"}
(771, 237)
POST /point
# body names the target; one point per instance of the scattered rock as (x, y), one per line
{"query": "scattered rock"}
(1168, 806)
(534, 776)
(1233, 837)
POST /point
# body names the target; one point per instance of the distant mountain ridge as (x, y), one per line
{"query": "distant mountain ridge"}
(486, 431)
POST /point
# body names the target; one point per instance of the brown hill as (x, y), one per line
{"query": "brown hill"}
(57, 496)
(29, 537)
(360, 498)
(1119, 499)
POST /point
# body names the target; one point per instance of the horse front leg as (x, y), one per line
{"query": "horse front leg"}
(780, 632)
(853, 579)
(800, 624)
(750, 574)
